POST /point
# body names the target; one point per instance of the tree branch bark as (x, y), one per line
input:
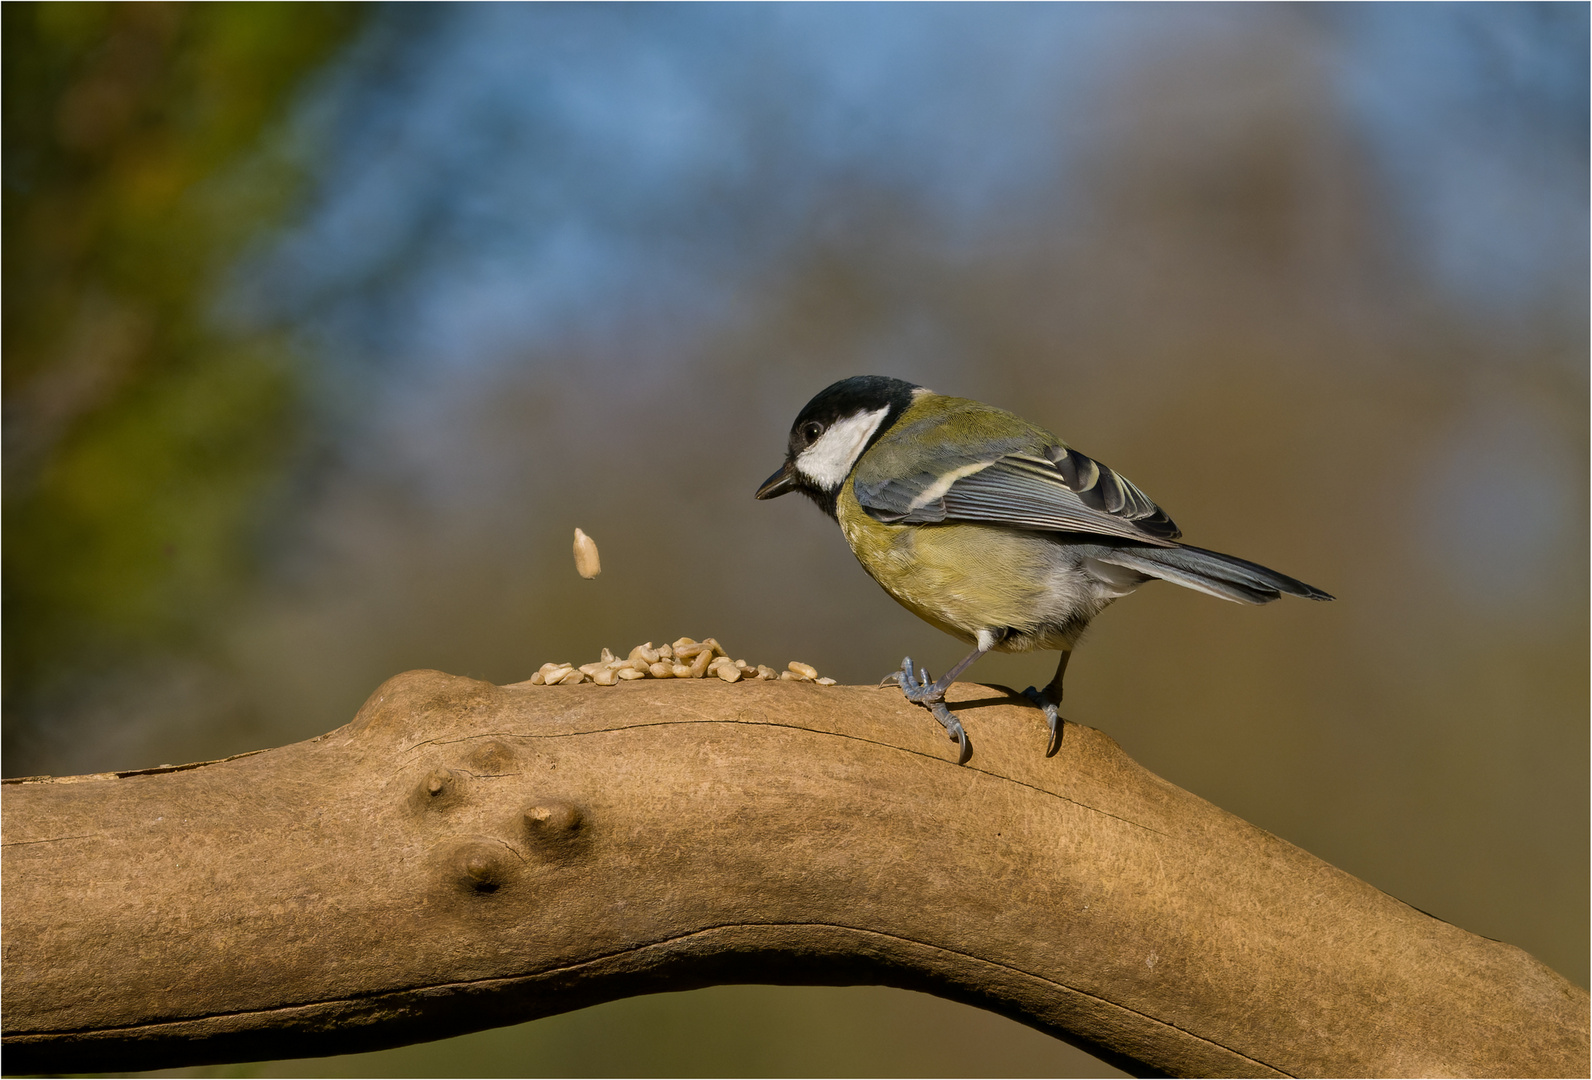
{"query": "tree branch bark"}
(463, 855)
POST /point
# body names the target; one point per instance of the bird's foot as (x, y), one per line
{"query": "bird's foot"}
(919, 688)
(917, 685)
(1052, 716)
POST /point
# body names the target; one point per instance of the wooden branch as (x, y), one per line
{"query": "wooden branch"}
(465, 855)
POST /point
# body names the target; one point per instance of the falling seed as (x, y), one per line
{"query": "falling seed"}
(587, 564)
(806, 671)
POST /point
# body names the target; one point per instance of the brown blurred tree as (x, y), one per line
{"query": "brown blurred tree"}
(141, 441)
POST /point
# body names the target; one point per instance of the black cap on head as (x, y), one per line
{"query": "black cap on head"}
(836, 403)
(860, 393)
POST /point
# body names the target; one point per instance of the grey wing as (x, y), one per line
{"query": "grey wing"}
(1057, 490)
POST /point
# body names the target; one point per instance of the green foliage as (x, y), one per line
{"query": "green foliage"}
(143, 444)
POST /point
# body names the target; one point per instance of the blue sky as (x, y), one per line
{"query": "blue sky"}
(489, 176)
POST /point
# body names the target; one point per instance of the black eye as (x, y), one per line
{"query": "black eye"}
(810, 431)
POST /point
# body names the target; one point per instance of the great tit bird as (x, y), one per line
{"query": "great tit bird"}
(990, 528)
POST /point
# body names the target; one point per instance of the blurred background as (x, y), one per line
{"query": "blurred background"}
(325, 325)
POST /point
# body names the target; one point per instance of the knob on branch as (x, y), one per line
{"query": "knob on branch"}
(465, 855)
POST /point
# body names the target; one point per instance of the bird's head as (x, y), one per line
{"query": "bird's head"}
(832, 431)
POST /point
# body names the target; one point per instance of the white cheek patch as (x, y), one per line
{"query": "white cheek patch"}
(826, 462)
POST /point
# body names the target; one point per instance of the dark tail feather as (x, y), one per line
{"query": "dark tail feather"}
(1226, 576)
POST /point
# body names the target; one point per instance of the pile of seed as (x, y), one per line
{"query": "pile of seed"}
(686, 658)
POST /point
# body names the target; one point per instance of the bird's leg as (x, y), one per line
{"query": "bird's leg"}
(919, 690)
(1049, 699)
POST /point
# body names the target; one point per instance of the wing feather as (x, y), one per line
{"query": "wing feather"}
(1059, 490)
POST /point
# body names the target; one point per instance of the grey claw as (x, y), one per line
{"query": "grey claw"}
(953, 728)
(1052, 717)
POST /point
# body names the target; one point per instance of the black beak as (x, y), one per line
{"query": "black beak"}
(781, 483)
